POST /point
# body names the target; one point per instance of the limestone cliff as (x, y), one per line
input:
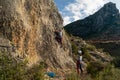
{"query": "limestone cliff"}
(27, 32)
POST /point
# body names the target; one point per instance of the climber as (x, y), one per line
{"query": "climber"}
(79, 62)
(58, 37)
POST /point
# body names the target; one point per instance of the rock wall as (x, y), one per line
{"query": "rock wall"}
(27, 28)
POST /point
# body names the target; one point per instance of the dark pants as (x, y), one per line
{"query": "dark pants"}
(59, 39)
(79, 68)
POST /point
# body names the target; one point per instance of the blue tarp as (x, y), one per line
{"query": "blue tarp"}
(51, 74)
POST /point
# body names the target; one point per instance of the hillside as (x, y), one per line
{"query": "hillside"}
(102, 25)
(113, 48)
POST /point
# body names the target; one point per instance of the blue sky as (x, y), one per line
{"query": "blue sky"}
(72, 10)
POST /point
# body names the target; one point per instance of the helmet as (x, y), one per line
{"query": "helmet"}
(79, 51)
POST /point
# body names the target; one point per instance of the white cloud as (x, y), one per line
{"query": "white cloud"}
(80, 9)
(66, 20)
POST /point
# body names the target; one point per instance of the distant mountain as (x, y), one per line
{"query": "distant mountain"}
(102, 25)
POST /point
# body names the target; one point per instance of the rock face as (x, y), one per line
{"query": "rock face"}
(104, 24)
(27, 32)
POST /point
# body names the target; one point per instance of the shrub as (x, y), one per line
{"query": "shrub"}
(39, 74)
(109, 73)
(116, 62)
(73, 76)
(11, 70)
(100, 50)
(94, 68)
(91, 47)
(86, 53)
(74, 48)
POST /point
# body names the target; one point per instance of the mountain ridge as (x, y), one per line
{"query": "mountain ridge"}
(102, 23)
